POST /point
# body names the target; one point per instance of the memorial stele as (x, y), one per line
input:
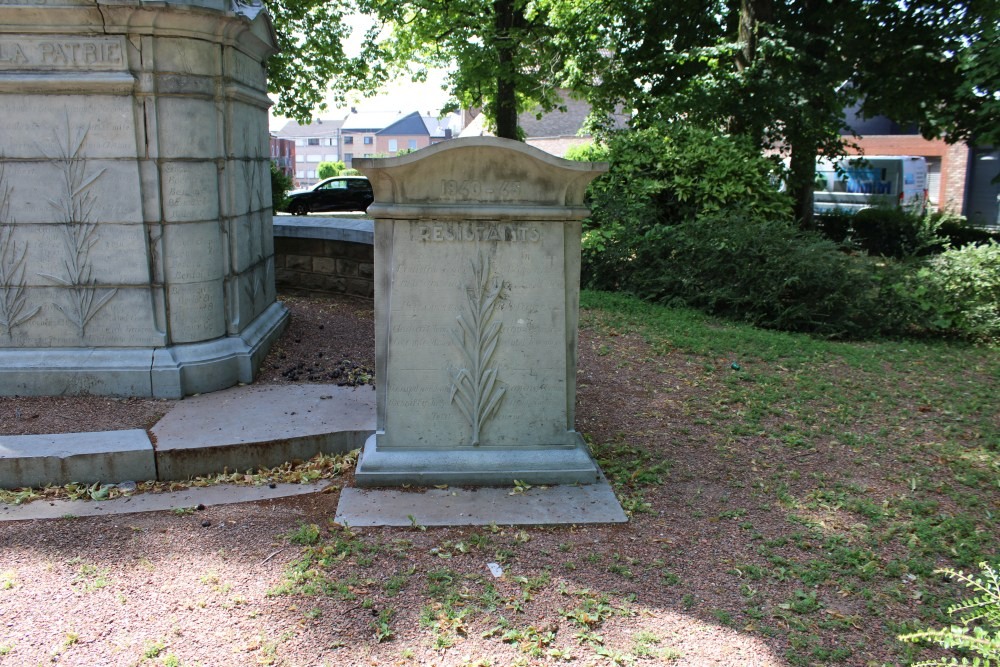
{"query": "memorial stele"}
(477, 270)
(136, 252)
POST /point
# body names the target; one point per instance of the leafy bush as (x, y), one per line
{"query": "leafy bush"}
(330, 169)
(956, 232)
(281, 183)
(350, 172)
(958, 292)
(588, 152)
(893, 232)
(979, 633)
(766, 272)
(667, 176)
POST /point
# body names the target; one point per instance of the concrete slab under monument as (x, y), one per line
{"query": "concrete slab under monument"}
(537, 506)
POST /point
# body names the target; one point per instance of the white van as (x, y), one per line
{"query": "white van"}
(852, 184)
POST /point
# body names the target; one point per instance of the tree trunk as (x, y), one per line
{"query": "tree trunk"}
(752, 14)
(801, 180)
(506, 18)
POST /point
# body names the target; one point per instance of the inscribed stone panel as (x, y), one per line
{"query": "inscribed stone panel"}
(109, 254)
(245, 242)
(188, 128)
(187, 56)
(196, 311)
(80, 191)
(54, 126)
(62, 53)
(488, 298)
(120, 316)
(247, 131)
(241, 67)
(190, 191)
(193, 252)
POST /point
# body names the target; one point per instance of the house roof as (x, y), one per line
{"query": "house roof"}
(371, 121)
(539, 125)
(438, 126)
(321, 127)
(410, 125)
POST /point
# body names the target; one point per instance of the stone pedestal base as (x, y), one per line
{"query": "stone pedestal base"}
(169, 372)
(480, 466)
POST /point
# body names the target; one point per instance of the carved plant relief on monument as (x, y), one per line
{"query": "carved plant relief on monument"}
(474, 387)
(13, 298)
(76, 209)
(254, 182)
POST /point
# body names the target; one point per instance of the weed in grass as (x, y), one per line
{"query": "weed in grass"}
(8, 580)
(396, 583)
(171, 660)
(153, 649)
(669, 578)
(89, 577)
(381, 629)
(723, 617)
(6, 649)
(802, 603)
(305, 534)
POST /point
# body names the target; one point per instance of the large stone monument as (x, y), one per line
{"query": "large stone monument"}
(136, 254)
(477, 261)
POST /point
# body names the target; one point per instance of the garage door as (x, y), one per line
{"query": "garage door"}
(933, 183)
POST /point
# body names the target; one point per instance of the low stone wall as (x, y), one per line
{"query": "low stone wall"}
(330, 255)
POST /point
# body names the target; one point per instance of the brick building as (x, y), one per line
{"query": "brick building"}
(959, 176)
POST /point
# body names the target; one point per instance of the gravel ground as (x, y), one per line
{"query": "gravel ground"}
(277, 583)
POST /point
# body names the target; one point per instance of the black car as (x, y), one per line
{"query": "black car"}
(340, 193)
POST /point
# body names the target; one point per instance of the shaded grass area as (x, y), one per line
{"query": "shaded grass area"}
(883, 458)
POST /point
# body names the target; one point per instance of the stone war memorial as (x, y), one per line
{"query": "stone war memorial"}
(136, 252)
(477, 261)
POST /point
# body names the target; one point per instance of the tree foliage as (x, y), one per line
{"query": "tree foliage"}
(312, 62)
(781, 72)
(330, 169)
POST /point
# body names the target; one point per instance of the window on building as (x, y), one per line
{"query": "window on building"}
(369, 141)
(412, 144)
(300, 174)
(310, 174)
(300, 142)
(313, 142)
(393, 145)
(330, 157)
(348, 157)
(313, 158)
(348, 139)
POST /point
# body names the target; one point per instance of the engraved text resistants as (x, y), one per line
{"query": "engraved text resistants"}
(468, 231)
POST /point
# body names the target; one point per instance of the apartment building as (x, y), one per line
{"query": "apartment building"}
(319, 141)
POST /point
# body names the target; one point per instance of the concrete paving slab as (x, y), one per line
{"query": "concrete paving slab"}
(578, 504)
(105, 456)
(223, 494)
(267, 425)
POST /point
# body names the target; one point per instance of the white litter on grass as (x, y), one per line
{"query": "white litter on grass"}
(495, 569)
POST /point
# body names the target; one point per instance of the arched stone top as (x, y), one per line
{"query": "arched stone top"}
(483, 173)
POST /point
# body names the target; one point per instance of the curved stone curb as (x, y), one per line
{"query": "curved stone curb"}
(188, 499)
(236, 429)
